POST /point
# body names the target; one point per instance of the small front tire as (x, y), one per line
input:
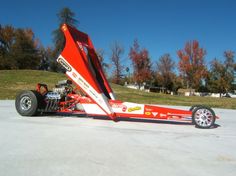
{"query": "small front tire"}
(203, 117)
(193, 107)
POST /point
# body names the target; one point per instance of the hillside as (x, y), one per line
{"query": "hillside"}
(13, 81)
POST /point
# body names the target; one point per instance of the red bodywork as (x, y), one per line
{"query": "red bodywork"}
(84, 69)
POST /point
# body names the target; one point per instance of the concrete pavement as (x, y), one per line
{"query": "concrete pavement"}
(53, 146)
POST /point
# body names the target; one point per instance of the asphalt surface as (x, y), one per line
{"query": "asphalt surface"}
(53, 146)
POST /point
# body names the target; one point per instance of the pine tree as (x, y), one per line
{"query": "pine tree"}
(65, 15)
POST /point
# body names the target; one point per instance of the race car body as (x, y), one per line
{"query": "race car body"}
(93, 95)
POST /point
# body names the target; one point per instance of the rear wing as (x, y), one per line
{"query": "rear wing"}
(83, 67)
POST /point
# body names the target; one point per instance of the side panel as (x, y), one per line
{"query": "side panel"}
(134, 110)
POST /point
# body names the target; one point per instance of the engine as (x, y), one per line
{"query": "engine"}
(59, 93)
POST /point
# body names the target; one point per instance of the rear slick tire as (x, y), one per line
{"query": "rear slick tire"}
(203, 117)
(28, 103)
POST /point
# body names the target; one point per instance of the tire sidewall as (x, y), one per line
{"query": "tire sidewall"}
(192, 108)
(34, 103)
(209, 109)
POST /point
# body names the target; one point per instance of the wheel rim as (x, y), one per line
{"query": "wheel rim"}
(203, 117)
(25, 103)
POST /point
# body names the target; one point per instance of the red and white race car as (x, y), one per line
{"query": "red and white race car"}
(93, 95)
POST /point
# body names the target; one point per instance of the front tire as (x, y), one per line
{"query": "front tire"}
(193, 107)
(203, 117)
(28, 103)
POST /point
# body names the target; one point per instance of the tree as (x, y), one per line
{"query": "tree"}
(18, 49)
(177, 83)
(6, 39)
(222, 74)
(141, 63)
(100, 54)
(191, 64)
(116, 51)
(165, 71)
(229, 59)
(46, 58)
(218, 77)
(25, 49)
(230, 67)
(65, 15)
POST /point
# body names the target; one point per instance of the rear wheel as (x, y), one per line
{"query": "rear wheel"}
(28, 103)
(203, 117)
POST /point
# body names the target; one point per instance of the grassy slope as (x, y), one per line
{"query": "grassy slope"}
(13, 81)
(163, 99)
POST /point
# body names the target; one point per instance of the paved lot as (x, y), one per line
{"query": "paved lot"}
(53, 146)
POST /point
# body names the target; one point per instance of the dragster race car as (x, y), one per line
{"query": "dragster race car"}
(93, 95)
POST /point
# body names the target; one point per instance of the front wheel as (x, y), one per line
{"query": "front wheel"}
(203, 117)
(193, 107)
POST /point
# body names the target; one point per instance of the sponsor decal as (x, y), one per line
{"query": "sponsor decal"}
(119, 106)
(154, 114)
(80, 45)
(162, 115)
(136, 108)
(64, 64)
(124, 108)
(85, 85)
(74, 75)
(175, 117)
(148, 113)
(93, 93)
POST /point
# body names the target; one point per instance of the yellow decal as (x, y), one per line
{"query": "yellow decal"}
(136, 108)
(147, 113)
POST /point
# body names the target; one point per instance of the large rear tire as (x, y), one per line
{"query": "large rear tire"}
(28, 103)
(203, 117)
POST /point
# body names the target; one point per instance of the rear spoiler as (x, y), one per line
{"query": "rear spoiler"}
(83, 67)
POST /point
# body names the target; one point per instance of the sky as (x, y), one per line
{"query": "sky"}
(161, 26)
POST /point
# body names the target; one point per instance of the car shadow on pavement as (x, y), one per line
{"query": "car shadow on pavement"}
(151, 121)
(142, 120)
(156, 121)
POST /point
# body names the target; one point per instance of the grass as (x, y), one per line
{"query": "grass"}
(13, 81)
(131, 95)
